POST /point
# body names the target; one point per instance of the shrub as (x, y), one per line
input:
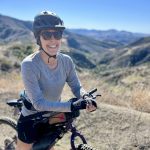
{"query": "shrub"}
(21, 52)
(5, 65)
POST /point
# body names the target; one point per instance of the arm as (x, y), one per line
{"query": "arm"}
(73, 80)
(75, 85)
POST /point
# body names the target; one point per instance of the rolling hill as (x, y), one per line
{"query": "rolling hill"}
(134, 54)
(12, 29)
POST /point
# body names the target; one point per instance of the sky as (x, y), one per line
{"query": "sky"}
(128, 15)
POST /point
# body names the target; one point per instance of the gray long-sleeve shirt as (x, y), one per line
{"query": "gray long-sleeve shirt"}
(44, 86)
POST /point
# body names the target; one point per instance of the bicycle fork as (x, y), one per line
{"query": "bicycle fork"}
(74, 136)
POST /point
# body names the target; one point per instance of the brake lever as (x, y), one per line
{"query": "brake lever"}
(94, 97)
(90, 94)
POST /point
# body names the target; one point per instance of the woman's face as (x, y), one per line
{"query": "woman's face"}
(51, 41)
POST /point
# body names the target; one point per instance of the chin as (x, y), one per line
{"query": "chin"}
(52, 52)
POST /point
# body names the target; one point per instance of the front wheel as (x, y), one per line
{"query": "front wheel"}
(8, 133)
(85, 147)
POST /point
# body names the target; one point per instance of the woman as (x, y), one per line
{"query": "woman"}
(44, 75)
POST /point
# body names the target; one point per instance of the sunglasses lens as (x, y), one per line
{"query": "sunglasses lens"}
(57, 35)
(48, 35)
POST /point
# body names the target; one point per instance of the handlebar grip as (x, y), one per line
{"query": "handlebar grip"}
(92, 91)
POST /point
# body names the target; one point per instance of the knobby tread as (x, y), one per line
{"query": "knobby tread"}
(8, 143)
(9, 121)
(85, 147)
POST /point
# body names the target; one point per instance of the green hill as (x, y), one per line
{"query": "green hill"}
(134, 54)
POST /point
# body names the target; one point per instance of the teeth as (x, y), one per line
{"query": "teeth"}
(52, 46)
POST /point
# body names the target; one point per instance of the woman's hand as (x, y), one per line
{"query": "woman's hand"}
(88, 103)
(90, 107)
(91, 104)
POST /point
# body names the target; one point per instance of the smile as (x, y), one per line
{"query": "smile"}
(52, 46)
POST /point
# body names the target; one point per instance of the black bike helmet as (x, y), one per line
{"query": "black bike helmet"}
(46, 20)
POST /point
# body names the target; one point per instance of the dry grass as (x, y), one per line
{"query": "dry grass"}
(10, 83)
(140, 98)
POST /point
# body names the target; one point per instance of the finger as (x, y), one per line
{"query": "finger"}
(90, 108)
(87, 107)
(89, 102)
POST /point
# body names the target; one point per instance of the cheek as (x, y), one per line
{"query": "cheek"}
(59, 42)
(42, 42)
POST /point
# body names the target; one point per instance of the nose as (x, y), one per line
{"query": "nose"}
(52, 38)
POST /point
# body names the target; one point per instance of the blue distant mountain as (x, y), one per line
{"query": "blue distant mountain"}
(123, 37)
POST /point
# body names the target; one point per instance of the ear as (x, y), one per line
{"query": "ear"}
(38, 41)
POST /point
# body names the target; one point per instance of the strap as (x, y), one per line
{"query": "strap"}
(28, 105)
(37, 116)
(49, 56)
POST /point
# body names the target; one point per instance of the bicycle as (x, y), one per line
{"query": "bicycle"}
(55, 131)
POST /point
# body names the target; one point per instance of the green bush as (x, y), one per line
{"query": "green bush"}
(16, 65)
(21, 52)
(5, 65)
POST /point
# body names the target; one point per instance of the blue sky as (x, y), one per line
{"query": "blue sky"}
(129, 15)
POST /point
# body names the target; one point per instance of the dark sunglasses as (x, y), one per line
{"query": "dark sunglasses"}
(47, 35)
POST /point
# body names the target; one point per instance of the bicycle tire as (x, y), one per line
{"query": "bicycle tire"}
(85, 147)
(8, 133)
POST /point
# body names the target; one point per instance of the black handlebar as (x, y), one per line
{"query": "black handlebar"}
(92, 91)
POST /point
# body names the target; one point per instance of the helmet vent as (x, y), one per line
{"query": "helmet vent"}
(45, 12)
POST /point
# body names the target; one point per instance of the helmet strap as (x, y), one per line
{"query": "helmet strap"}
(49, 56)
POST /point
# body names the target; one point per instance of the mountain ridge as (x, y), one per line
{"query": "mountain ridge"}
(124, 37)
(12, 28)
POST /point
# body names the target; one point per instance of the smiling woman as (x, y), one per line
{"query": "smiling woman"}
(44, 74)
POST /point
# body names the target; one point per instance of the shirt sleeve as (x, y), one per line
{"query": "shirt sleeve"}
(30, 78)
(73, 80)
